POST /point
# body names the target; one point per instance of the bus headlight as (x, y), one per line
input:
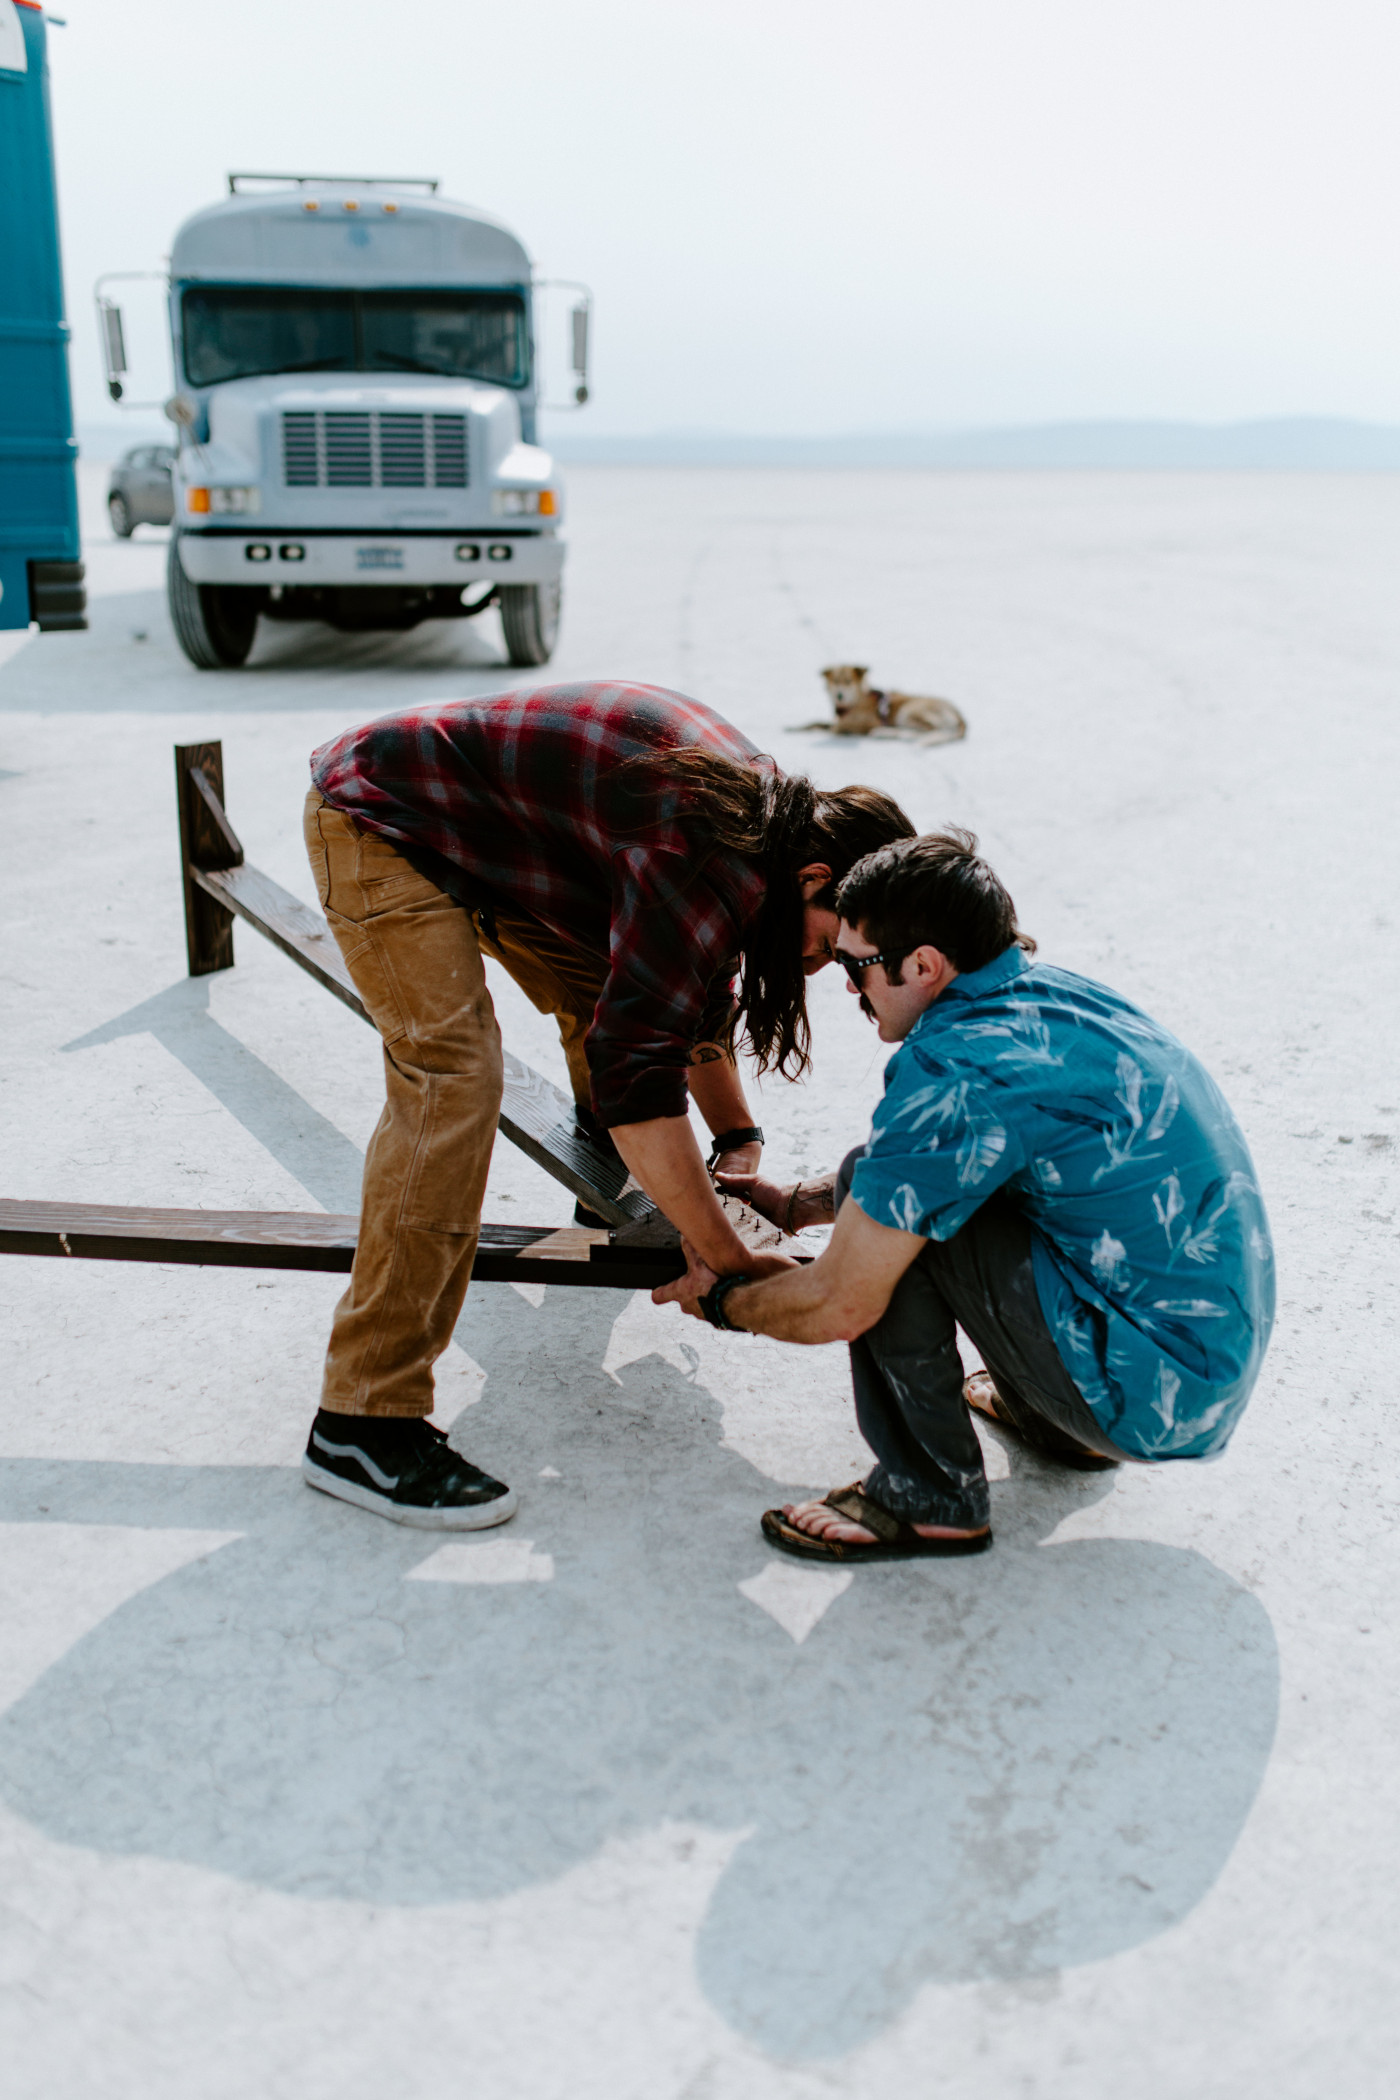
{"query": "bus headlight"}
(238, 503)
(235, 502)
(515, 503)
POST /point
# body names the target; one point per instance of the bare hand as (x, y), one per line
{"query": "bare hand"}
(687, 1291)
(769, 1198)
(790, 1207)
(743, 1160)
(760, 1265)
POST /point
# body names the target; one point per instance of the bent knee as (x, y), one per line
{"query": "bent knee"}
(845, 1174)
(463, 1046)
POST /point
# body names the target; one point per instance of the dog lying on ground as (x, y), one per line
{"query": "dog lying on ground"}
(861, 707)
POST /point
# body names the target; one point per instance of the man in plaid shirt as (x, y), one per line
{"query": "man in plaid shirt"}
(517, 802)
(622, 850)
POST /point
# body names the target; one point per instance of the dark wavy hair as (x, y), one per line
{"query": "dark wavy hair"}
(783, 823)
(935, 889)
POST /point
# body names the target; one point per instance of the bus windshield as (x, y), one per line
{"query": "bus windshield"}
(249, 331)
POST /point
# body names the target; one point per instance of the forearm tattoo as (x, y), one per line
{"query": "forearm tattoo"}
(810, 1203)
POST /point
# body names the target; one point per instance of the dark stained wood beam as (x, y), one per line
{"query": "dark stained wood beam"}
(271, 1239)
(220, 886)
(301, 933)
(536, 1115)
(205, 842)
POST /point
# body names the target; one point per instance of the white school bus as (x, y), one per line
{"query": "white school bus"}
(356, 394)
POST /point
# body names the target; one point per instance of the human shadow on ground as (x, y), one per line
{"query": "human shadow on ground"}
(128, 662)
(984, 1769)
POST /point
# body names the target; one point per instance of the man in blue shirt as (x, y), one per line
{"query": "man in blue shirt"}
(1050, 1170)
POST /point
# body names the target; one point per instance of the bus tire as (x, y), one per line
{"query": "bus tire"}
(530, 620)
(214, 623)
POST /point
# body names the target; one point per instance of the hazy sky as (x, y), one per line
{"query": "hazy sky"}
(818, 217)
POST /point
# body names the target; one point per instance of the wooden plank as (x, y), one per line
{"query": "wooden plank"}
(539, 1117)
(290, 925)
(216, 844)
(242, 1239)
(313, 1240)
(208, 925)
(536, 1115)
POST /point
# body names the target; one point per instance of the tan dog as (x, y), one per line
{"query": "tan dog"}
(861, 707)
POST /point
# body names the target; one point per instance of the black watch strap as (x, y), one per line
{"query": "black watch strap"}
(730, 1140)
(712, 1304)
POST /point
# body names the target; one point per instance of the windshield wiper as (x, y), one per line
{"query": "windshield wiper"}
(313, 364)
(412, 364)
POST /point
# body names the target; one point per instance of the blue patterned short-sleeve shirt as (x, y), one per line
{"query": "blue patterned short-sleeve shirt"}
(1149, 1237)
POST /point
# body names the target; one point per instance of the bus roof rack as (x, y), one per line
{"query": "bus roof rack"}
(393, 182)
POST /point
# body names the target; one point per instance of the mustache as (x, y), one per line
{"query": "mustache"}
(866, 1008)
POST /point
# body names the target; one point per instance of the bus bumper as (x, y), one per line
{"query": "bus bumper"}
(309, 559)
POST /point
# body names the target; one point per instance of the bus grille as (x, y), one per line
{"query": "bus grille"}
(370, 448)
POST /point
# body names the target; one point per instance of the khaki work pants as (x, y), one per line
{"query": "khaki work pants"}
(415, 959)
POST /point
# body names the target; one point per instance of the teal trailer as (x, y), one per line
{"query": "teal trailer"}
(41, 572)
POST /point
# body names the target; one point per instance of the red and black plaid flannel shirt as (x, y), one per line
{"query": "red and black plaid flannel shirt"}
(516, 799)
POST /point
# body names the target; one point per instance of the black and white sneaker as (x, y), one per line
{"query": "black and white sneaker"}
(403, 1469)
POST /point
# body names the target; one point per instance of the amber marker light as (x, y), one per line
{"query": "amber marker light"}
(351, 205)
(197, 500)
(548, 506)
(391, 207)
(311, 205)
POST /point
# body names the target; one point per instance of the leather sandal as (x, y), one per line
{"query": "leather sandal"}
(894, 1538)
(1037, 1434)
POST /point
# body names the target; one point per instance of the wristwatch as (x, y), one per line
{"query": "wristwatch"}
(731, 1140)
(712, 1304)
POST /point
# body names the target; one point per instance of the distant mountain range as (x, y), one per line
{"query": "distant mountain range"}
(1282, 444)
(1293, 444)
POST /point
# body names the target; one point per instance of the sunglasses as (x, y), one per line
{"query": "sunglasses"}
(855, 966)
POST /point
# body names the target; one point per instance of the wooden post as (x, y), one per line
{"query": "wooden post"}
(206, 841)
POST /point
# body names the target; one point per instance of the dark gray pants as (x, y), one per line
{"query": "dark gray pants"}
(908, 1375)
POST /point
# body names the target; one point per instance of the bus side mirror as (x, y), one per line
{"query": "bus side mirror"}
(109, 325)
(579, 321)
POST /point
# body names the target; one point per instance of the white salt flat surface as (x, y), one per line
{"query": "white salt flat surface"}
(491, 1560)
(298, 1805)
(794, 1597)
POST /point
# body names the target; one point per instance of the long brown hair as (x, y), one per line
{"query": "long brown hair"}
(783, 823)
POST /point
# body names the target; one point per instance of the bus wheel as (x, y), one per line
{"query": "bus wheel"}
(530, 620)
(214, 623)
